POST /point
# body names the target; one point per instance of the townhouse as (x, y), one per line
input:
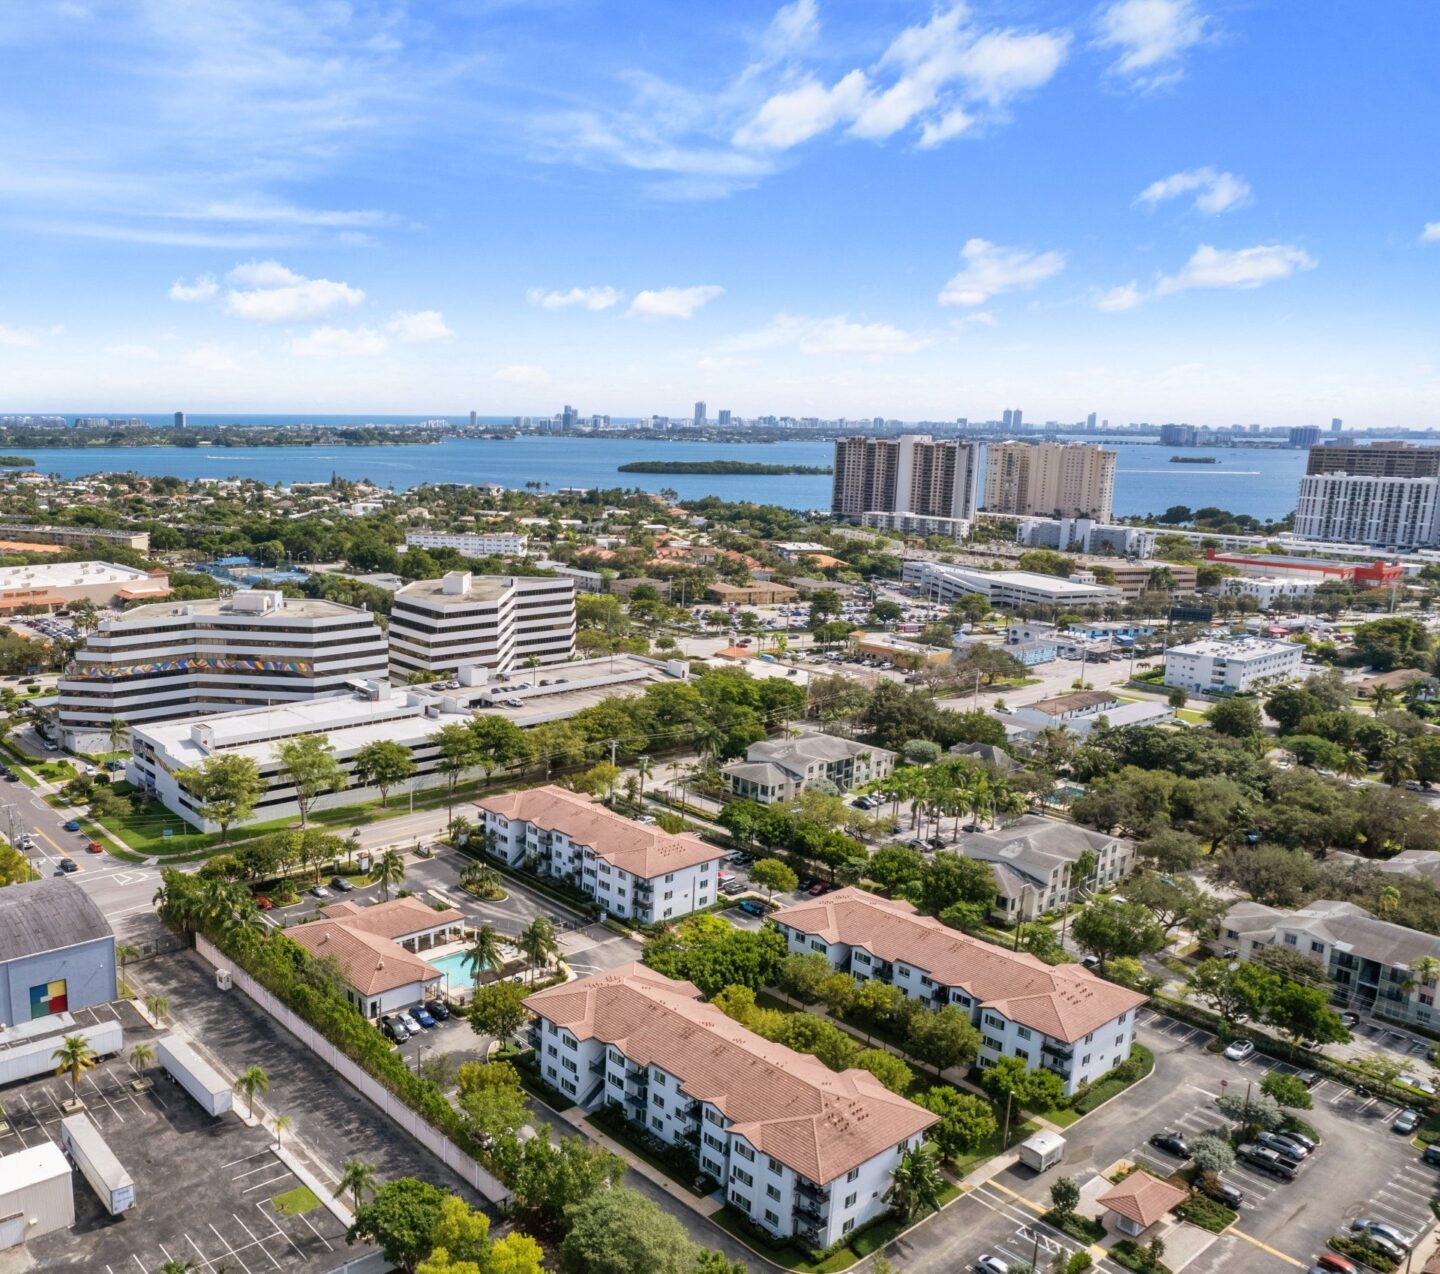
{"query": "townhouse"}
(780, 769)
(635, 871)
(1034, 861)
(1061, 1017)
(1371, 961)
(799, 1149)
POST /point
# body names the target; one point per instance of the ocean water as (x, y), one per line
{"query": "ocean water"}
(1260, 481)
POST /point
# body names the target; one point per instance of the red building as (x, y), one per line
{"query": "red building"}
(1379, 574)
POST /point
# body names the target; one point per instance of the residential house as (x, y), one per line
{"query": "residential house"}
(1034, 859)
(780, 769)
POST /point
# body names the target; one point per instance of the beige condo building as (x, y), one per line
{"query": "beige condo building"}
(1050, 479)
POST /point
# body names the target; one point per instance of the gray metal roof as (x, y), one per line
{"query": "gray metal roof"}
(46, 915)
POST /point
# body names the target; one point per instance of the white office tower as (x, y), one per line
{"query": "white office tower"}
(501, 622)
(182, 659)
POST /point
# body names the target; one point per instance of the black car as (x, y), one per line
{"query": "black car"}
(68, 865)
(1224, 1192)
(342, 885)
(1431, 1156)
(1309, 1078)
(437, 1009)
(1172, 1143)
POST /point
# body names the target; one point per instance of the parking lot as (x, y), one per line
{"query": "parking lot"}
(206, 1189)
(1362, 1169)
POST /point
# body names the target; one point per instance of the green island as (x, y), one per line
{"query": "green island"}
(718, 466)
(16, 462)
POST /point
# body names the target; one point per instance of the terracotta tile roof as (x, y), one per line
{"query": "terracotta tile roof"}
(371, 964)
(1064, 1001)
(644, 851)
(787, 1104)
(1142, 1198)
(398, 918)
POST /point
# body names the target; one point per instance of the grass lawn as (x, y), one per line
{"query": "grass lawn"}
(296, 1202)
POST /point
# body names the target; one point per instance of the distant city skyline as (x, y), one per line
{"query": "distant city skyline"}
(1162, 210)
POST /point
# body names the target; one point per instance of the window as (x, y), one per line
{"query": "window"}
(658, 1079)
(741, 1175)
(569, 1064)
(669, 876)
(989, 1041)
(902, 970)
(817, 945)
(853, 1175)
(1290, 940)
(616, 1080)
(775, 1165)
(739, 1200)
(657, 1123)
(997, 1022)
(772, 1217)
(568, 1087)
(744, 1151)
(714, 1143)
(711, 1167)
(1023, 1032)
(848, 1226)
(1316, 946)
(773, 1191)
(850, 1200)
(659, 1103)
(552, 1050)
(1022, 1054)
(711, 1115)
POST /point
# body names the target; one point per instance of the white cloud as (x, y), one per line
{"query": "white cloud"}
(1431, 233)
(833, 334)
(991, 268)
(339, 342)
(521, 374)
(672, 302)
(795, 116)
(418, 327)
(203, 289)
(211, 358)
(134, 353)
(1125, 297)
(792, 29)
(596, 298)
(1151, 37)
(272, 293)
(15, 337)
(1217, 191)
(931, 69)
(1239, 268)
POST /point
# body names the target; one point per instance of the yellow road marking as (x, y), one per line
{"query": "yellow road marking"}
(1019, 1198)
(1265, 1247)
(64, 853)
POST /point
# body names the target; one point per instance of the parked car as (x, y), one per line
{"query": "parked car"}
(1227, 1194)
(1309, 1078)
(1282, 1145)
(1300, 1138)
(264, 903)
(72, 825)
(408, 1022)
(94, 847)
(423, 1016)
(394, 1029)
(816, 890)
(1172, 1143)
(1364, 1225)
(319, 891)
(68, 865)
(1406, 1122)
(752, 906)
(1350, 1019)
(1266, 1161)
(437, 1009)
(987, 1264)
(1334, 1263)
(341, 885)
(732, 887)
(1240, 1050)
(1431, 1156)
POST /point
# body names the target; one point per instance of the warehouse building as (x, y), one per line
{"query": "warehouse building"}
(945, 583)
(55, 585)
(57, 952)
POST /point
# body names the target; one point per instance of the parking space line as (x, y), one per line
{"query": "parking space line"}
(258, 1242)
(270, 1182)
(316, 1232)
(247, 1158)
(205, 1261)
(279, 1231)
(230, 1249)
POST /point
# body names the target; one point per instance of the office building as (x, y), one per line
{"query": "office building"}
(635, 871)
(473, 419)
(913, 473)
(699, 415)
(1337, 425)
(70, 535)
(780, 769)
(499, 622)
(1007, 421)
(57, 952)
(1371, 961)
(376, 711)
(946, 583)
(1085, 535)
(1220, 666)
(1304, 436)
(1090, 423)
(179, 420)
(1050, 479)
(54, 585)
(470, 543)
(569, 418)
(1061, 1017)
(1386, 494)
(800, 1149)
(254, 648)
(1178, 435)
(725, 418)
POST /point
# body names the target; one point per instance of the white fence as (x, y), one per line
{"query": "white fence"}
(435, 1141)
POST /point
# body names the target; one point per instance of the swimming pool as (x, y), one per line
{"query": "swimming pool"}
(454, 967)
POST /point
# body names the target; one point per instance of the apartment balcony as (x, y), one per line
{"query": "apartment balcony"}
(1063, 1051)
(809, 1191)
(691, 1136)
(809, 1212)
(639, 1099)
(691, 1109)
(882, 969)
(810, 1234)
(597, 1067)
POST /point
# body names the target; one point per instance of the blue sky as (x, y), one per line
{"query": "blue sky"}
(1153, 209)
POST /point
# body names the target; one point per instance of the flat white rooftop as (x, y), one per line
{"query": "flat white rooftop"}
(68, 575)
(1032, 580)
(1245, 648)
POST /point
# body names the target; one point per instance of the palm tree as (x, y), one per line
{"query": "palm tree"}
(1383, 697)
(358, 1177)
(644, 768)
(1396, 765)
(142, 1055)
(537, 941)
(389, 870)
(916, 1184)
(483, 953)
(1387, 902)
(253, 1079)
(283, 1124)
(158, 1007)
(174, 1266)
(118, 734)
(124, 953)
(1353, 764)
(1426, 970)
(74, 1057)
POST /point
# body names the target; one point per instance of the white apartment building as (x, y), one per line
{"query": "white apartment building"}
(184, 659)
(1389, 512)
(1269, 591)
(801, 1150)
(499, 622)
(918, 524)
(585, 581)
(780, 769)
(1034, 863)
(1221, 666)
(635, 871)
(471, 543)
(1061, 1017)
(1085, 535)
(946, 583)
(161, 752)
